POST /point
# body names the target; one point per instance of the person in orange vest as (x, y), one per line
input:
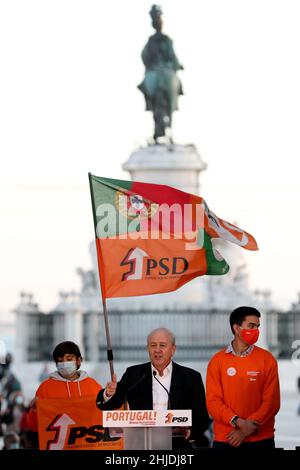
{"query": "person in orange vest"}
(242, 387)
(66, 382)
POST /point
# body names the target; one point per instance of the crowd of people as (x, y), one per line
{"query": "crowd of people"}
(241, 398)
(14, 429)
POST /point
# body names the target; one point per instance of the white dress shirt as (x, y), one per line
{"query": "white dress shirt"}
(159, 395)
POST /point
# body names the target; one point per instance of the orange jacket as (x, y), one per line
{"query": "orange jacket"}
(57, 386)
(245, 386)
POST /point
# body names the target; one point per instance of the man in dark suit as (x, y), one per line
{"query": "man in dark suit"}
(139, 387)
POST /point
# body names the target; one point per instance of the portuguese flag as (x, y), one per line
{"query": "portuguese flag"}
(153, 238)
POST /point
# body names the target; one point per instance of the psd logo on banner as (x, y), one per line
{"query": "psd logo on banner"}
(75, 424)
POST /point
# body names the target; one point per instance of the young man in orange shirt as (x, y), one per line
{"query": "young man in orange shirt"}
(66, 382)
(242, 388)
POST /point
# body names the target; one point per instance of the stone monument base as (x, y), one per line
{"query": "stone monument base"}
(173, 164)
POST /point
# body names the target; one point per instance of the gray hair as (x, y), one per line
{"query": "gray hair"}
(169, 332)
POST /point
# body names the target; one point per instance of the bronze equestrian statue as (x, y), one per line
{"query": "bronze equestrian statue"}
(161, 86)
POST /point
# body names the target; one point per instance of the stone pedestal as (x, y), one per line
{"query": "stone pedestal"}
(175, 165)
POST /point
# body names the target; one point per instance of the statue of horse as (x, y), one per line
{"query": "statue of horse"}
(161, 85)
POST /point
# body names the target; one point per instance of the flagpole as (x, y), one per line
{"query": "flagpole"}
(110, 357)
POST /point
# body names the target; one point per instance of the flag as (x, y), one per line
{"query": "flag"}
(76, 424)
(153, 238)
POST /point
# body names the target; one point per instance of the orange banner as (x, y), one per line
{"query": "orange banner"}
(73, 424)
(145, 266)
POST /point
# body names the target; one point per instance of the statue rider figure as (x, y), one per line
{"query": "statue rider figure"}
(161, 86)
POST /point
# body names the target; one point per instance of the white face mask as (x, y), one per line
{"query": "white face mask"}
(66, 368)
(14, 445)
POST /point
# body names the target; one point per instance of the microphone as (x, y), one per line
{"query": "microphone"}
(130, 388)
(169, 398)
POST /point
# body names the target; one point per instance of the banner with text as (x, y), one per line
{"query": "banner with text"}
(73, 424)
(147, 418)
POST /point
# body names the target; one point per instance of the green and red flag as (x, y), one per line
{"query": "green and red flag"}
(153, 238)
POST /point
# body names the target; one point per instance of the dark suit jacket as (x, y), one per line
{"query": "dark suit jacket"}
(186, 392)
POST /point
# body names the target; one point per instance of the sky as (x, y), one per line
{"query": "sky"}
(69, 105)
